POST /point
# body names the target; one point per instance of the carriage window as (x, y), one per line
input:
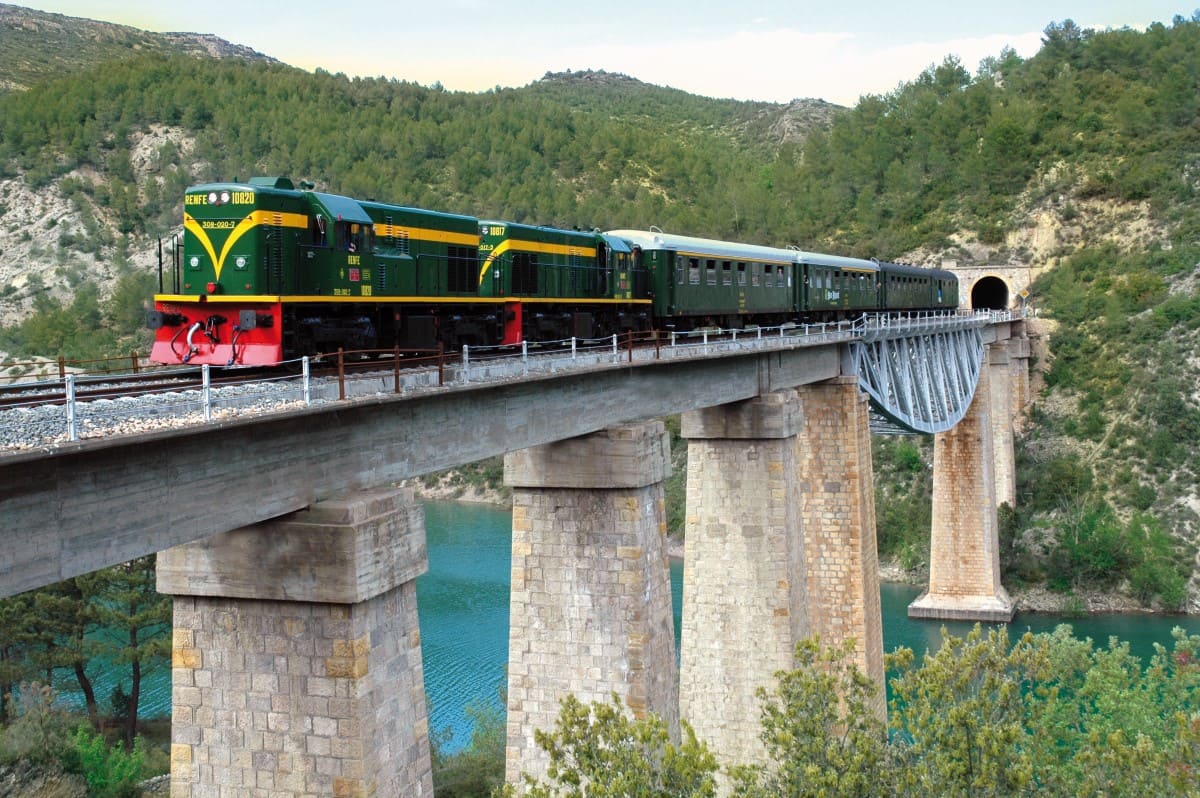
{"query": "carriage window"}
(679, 269)
(726, 273)
(755, 274)
(741, 273)
(694, 271)
(710, 272)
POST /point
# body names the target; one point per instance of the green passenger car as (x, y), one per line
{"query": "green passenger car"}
(833, 285)
(908, 287)
(698, 282)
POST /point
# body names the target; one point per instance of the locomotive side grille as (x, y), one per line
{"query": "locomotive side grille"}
(275, 253)
(396, 236)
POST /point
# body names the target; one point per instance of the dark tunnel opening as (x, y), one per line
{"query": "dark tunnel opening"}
(989, 293)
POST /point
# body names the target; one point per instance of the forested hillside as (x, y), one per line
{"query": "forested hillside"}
(1081, 162)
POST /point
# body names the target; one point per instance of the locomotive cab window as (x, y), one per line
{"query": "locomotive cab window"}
(352, 237)
(318, 231)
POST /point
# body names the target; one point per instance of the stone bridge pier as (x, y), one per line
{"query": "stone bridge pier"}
(296, 662)
(780, 546)
(591, 588)
(745, 591)
(972, 474)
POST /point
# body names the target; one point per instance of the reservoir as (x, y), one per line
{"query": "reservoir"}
(463, 602)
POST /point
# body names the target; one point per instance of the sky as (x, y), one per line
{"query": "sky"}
(773, 50)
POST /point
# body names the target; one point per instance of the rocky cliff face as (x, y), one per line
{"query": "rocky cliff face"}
(46, 237)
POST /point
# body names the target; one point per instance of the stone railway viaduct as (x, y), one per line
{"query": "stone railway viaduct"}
(296, 648)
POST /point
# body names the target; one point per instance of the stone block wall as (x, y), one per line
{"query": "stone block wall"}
(999, 366)
(744, 599)
(591, 595)
(296, 662)
(837, 500)
(964, 557)
(275, 698)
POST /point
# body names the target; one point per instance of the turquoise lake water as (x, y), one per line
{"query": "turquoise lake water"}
(463, 603)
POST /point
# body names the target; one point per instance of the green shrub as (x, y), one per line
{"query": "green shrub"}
(109, 772)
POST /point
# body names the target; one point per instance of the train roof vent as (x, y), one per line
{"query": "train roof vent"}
(273, 182)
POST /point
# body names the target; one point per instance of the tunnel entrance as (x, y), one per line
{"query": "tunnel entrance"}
(989, 293)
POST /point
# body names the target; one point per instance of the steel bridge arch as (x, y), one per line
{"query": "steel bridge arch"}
(920, 377)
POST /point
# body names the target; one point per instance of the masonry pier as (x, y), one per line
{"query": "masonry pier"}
(964, 557)
(591, 593)
(998, 363)
(296, 662)
(837, 502)
(744, 590)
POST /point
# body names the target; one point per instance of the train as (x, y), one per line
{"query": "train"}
(269, 271)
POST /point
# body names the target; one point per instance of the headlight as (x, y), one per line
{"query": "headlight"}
(212, 198)
(224, 197)
(195, 261)
(241, 263)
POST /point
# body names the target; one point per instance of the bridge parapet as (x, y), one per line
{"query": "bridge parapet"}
(876, 328)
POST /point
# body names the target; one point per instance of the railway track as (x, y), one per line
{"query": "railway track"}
(111, 386)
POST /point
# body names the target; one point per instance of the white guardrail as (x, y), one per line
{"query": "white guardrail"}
(55, 414)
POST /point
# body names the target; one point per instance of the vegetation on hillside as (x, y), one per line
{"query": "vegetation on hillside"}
(87, 327)
(622, 158)
(1095, 114)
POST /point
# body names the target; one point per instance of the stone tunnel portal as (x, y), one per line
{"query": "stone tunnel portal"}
(989, 293)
